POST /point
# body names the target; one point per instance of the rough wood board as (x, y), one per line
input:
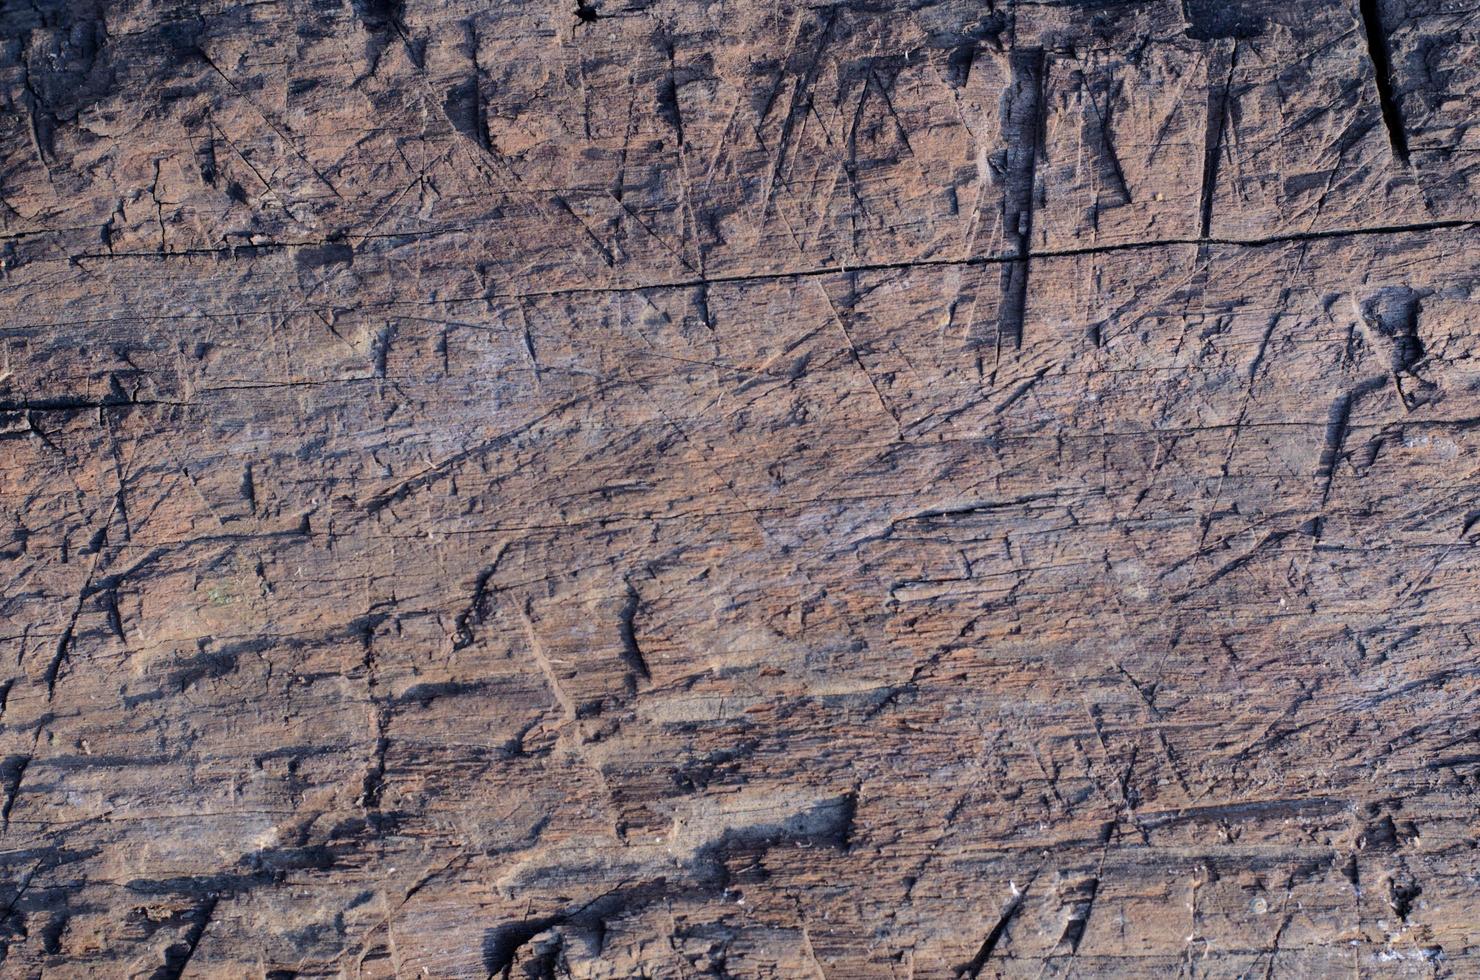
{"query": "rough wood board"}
(741, 489)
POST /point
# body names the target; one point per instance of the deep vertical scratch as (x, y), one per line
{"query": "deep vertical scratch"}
(1217, 122)
(1382, 71)
(1022, 129)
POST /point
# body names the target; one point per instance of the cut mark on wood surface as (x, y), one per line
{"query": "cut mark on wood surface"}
(1022, 129)
(1382, 71)
(632, 654)
(12, 771)
(178, 956)
(973, 967)
(374, 782)
(1217, 122)
(478, 608)
(1110, 187)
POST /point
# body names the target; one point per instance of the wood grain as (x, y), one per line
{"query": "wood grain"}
(739, 489)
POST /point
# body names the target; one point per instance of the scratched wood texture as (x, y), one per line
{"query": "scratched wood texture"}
(739, 489)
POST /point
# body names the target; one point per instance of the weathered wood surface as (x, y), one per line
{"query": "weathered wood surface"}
(739, 489)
